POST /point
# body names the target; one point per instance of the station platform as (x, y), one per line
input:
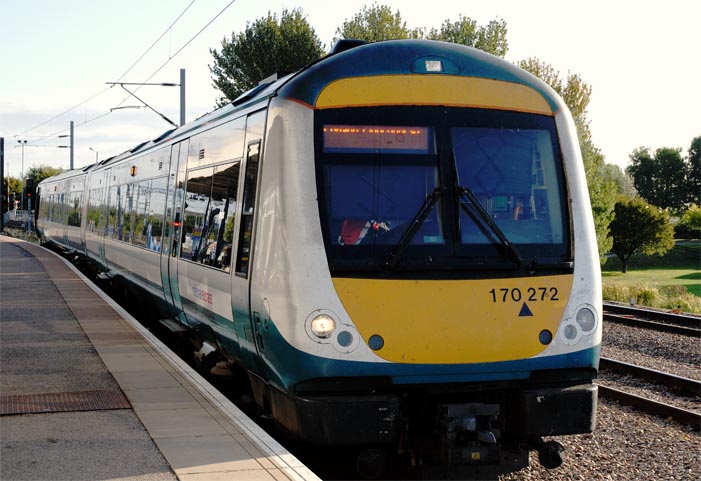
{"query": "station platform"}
(86, 393)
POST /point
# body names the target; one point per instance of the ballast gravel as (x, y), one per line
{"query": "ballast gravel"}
(628, 444)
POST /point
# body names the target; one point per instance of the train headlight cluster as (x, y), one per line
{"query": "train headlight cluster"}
(323, 326)
(586, 319)
(584, 323)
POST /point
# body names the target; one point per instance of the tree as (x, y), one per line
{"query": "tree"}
(622, 181)
(660, 179)
(689, 225)
(375, 24)
(15, 185)
(378, 23)
(640, 227)
(574, 91)
(693, 172)
(41, 172)
(264, 48)
(465, 31)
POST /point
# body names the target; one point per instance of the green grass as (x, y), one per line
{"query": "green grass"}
(670, 281)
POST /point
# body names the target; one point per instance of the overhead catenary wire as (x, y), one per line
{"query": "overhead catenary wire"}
(40, 138)
(156, 41)
(184, 46)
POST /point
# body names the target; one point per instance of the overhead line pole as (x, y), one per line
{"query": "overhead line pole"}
(182, 97)
(71, 164)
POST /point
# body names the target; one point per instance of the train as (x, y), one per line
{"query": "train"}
(392, 249)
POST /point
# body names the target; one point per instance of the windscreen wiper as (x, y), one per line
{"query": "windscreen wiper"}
(394, 257)
(467, 194)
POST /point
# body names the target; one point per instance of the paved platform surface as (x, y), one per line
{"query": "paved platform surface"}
(86, 393)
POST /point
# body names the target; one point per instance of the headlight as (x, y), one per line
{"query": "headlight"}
(586, 319)
(570, 332)
(323, 326)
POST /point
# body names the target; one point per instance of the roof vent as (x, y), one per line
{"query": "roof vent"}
(346, 44)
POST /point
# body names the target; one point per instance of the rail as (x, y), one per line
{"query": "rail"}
(653, 319)
(682, 416)
(680, 384)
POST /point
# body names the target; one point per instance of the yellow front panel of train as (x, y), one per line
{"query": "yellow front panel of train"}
(432, 90)
(456, 321)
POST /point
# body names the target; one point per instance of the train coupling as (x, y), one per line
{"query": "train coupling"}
(551, 454)
(469, 437)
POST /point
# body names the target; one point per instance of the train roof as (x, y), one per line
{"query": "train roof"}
(69, 174)
(405, 57)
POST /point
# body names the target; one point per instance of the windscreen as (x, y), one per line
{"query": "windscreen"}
(437, 187)
(381, 180)
(512, 173)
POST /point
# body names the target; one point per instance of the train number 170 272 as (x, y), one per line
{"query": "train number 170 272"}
(532, 294)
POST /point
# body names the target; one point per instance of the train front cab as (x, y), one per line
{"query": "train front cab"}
(479, 328)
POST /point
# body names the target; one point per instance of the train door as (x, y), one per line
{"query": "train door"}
(246, 325)
(172, 229)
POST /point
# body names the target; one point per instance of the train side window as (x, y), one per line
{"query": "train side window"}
(50, 201)
(128, 210)
(120, 218)
(61, 207)
(249, 196)
(142, 192)
(155, 213)
(113, 203)
(149, 211)
(94, 209)
(43, 206)
(210, 211)
(224, 190)
(198, 204)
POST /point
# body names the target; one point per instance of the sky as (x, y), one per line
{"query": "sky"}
(641, 59)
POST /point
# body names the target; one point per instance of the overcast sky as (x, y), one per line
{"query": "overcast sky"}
(640, 57)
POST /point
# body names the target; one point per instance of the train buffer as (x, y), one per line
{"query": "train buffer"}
(87, 393)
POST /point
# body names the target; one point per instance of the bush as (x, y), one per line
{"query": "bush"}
(689, 225)
(679, 297)
(667, 297)
(645, 295)
(640, 294)
(612, 291)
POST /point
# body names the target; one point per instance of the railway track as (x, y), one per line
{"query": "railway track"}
(681, 385)
(683, 324)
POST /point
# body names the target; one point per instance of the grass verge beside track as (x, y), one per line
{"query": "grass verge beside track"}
(671, 281)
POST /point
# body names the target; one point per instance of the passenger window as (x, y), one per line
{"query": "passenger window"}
(94, 209)
(113, 208)
(140, 204)
(210, 211)
(120, 217)
(148, 219)
(75, 200)
(197, 204)
(155, 213)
